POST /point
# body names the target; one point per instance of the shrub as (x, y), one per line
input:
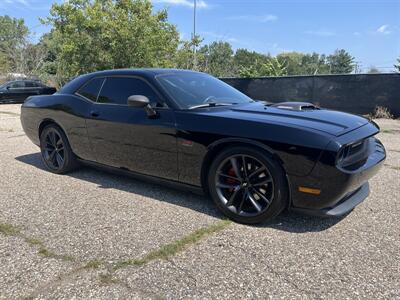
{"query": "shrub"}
(381, 112)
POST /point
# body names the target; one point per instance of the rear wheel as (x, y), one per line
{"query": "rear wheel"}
(56, 151)
(247, 185)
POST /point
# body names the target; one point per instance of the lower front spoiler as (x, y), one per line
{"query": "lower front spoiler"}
(343, 207)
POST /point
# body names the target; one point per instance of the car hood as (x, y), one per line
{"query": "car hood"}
(328, 121)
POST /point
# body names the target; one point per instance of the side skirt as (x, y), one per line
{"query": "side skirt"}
(151, 179)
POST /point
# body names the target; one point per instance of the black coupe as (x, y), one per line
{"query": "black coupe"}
(188, 128)
(18, 90)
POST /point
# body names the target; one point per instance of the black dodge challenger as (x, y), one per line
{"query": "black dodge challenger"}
(190, 129)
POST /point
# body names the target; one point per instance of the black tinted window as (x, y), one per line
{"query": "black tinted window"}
(17, 85)
(118, 89)
(31, 84)
(91, 89)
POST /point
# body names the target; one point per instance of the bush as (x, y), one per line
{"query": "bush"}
(381, 112)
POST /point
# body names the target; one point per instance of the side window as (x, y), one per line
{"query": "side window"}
(118, 89)
(31, 84)
(17, 85)
(91, 89)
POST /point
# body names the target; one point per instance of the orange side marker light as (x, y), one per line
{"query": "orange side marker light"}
(309, 190)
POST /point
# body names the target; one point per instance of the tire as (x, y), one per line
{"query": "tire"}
(56, 151)
(242, 193)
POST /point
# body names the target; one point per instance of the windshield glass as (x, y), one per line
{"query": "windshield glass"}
(194, 89)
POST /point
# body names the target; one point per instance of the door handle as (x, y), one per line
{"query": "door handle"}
(94, 113)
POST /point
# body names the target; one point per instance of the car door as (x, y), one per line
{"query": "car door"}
(15, 91)
(32, 88)
(125, 137)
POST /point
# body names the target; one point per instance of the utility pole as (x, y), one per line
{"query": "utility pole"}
(194, 35)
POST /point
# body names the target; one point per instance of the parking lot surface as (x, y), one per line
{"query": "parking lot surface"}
(91, 234)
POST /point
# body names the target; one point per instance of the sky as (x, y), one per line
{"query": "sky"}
(368, 29)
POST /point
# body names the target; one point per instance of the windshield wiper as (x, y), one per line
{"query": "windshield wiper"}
(210, 104)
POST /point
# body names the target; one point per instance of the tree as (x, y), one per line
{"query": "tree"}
(249, 63)
(185, 58)
(218, 59)
(91, 35)
(248, 72)
(293, 61)
(341, 62)
(13, 40)
(373, 70)
(398, 65)
(304, 63)
(274, 68)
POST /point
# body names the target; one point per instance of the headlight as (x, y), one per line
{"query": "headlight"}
(355, 154)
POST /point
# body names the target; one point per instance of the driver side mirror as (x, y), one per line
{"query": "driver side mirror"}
(141, 101)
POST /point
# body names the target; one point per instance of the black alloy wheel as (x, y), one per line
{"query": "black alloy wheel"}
(247, 185)
(56, 151)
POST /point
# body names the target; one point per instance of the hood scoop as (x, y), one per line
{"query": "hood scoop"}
(295, 106)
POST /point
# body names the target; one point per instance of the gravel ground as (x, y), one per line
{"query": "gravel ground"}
(63, 236)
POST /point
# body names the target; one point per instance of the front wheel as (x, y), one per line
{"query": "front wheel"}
(247, 185)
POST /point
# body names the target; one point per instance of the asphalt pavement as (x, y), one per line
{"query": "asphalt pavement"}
(91, 234)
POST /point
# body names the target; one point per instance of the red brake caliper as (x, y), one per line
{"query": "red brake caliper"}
(231, 181)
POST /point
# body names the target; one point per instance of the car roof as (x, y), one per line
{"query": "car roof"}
(141, 71)
(25, 80)
(148, 73)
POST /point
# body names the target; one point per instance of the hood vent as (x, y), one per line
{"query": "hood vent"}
(297, 106)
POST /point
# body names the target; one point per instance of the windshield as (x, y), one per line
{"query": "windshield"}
(194, 89)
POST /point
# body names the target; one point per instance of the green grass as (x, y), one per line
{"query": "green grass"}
(175, 247)
(107, 279)
(9, 113)
(387, 131)
(34, 242)
(164, 252)
(8, 229)
(50, 254)
(393, 150)
(6, 129)
(94, 264)
(392, 167)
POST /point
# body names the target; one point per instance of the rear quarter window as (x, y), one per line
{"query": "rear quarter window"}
(91, 89)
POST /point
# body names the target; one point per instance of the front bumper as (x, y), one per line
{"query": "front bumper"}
(341, 190)
(344, 206)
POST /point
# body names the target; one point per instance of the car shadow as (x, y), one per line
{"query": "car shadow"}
(287, 221)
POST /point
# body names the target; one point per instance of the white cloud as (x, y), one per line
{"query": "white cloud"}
(384, 29)
(23, 2)
(254, 18)
(217, 36)
(320, 32)
(187, 3)
(356, 33)
(275, 49)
